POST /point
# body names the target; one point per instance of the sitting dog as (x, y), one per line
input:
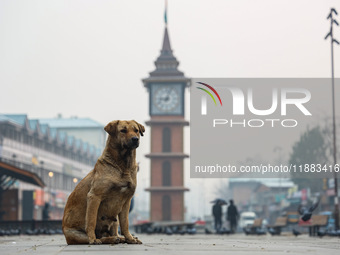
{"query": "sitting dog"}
(103, 197)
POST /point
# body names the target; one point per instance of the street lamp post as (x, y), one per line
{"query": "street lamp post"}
(50, 174)
(336, 200)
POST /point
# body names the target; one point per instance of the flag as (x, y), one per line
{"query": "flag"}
(165, 13)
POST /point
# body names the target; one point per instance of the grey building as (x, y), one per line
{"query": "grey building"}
(39, 164)
(85, 129)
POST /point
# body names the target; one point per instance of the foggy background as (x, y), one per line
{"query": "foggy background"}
(87, 58)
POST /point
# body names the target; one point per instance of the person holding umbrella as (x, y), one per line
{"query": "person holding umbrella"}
(217, 212)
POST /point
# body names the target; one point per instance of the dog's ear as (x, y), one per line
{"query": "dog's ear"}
(111, 128)
(141, 128)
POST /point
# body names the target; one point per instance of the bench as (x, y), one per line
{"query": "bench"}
(317, 221)
(280, 222)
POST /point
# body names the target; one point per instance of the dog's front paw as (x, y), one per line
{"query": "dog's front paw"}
(95, 241)
(133, 240)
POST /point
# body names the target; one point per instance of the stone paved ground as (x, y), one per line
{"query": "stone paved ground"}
(175, 244)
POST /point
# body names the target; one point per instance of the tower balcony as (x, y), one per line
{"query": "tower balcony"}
(167, 155)
(167, 188)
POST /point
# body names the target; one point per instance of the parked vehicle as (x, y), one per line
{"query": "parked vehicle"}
(246, 219)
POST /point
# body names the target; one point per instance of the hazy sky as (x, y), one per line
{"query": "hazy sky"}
(87, 58)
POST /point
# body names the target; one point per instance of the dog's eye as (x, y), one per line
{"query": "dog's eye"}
(136, 130)
(123, 130)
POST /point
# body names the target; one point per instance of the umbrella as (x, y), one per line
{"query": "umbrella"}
(219, 200)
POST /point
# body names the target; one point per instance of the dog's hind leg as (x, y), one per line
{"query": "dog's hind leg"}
(74, 236)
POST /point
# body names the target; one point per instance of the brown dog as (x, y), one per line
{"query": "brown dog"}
(104, 195)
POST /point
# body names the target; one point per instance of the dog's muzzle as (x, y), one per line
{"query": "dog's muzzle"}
(134, 142)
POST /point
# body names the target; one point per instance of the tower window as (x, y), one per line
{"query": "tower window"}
(166, 173)
(166, 139)
(166, 208)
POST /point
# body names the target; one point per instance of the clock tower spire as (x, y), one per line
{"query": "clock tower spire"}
(166, 64)
(166, 87)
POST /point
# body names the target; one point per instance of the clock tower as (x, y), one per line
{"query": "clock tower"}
(166, 87)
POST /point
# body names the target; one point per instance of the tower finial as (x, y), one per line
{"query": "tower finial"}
(166, 13)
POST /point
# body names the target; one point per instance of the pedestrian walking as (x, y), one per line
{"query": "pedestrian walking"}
(232, 216)
(46, 212)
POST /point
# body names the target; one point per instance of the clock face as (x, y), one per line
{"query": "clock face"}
(166, 99)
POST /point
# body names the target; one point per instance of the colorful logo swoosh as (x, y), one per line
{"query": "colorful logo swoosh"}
(212, 89)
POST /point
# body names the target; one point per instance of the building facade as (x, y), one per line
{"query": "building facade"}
(84, 129)
(38, 165)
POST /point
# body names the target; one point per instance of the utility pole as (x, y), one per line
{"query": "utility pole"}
(336, 200)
